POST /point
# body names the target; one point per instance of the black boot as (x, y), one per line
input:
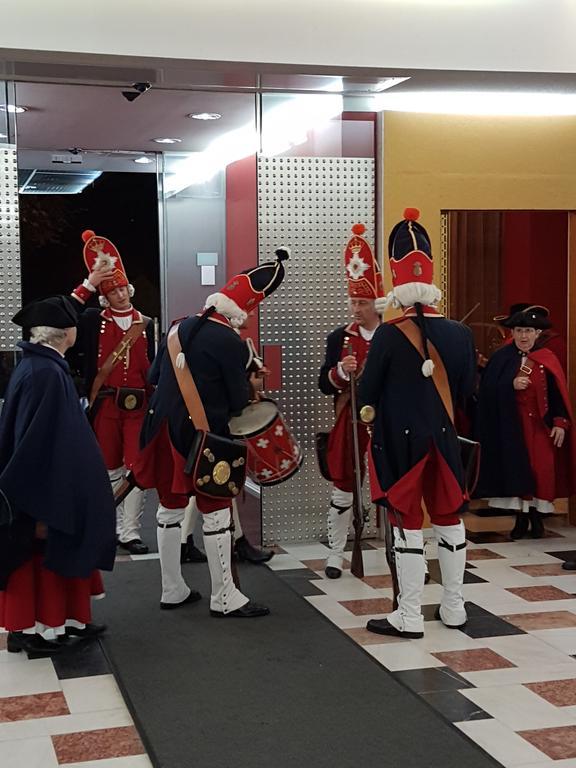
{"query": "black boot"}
(246, 551)
(34, 645)
(536, 520)
(189, 552)
(521, 526)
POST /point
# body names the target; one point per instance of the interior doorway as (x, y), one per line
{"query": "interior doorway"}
(495, 259)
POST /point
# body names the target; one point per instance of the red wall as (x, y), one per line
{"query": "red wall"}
(535, 262)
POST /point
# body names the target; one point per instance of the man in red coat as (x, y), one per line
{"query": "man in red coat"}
(113, 353)
(346, 351)
(525, 419)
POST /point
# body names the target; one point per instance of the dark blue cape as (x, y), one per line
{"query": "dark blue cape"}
(52, 472)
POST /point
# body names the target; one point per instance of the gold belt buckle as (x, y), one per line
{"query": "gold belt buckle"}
(130, 402)
(525, 369)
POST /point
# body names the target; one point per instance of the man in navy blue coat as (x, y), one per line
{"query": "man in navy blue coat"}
(418, 368)
(216, 357)
(56, 497)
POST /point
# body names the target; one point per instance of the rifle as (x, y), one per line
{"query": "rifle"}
(357, 567)
(390, 555)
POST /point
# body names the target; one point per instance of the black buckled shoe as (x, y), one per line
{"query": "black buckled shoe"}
(88, 632)
(189, 552)
(252, 554)
(193, 597)
(383, 627)
(520, 527)
(135, 547)
(33, 645)
(448, 626)
(249, 611)
(536, 524)
(332, 573)
(569, 565)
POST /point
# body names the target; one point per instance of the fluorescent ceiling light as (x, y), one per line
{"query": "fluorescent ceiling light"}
(12, 108)
(144, 160)
(204, 116)
(495, 103)
(389, 82)
(286, 125)
(167, 141)
(38, 182)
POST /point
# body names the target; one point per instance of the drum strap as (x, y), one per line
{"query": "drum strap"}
(186, 383)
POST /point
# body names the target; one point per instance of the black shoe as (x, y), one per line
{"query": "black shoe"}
(332, 573)
(537, 524)
(520, 527)
(383, 627)
(34, 645)
(569, 565)
(426, 577)
(189, 552)
(247, 551)
(248, 611)
(89, 631)
(193, 597)
(448, 626)
(135, 547)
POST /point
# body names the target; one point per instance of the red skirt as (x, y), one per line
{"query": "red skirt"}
(36, 596)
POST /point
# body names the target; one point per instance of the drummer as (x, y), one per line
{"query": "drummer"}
(216, 358)
(346, 351)
(243, 547)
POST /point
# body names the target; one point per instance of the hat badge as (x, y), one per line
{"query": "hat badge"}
(417, 268)
(356, 266)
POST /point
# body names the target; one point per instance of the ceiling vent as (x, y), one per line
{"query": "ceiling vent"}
(35, 182)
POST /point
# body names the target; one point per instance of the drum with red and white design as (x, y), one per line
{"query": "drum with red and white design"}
(273, 453)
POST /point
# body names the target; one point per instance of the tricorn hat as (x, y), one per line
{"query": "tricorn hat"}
(526, 316)
(54, 312)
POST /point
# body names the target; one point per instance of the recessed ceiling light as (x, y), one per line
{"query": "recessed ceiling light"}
(205, 116)
(144, 160)
(12, 108)
(167, 141)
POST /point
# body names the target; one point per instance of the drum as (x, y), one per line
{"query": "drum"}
(273, 453)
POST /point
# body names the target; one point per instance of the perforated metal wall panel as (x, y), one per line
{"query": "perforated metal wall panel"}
(308, 204)
(10, 291)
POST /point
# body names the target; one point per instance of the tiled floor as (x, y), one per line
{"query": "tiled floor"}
(507, 680)
(65, 711)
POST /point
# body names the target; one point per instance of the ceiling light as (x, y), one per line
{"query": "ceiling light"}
(144, 160)
(12, 108)
(489, 103)
(204, 116)
(389, 82)
(167, 141)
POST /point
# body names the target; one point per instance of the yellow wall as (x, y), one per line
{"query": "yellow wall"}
(443, 162)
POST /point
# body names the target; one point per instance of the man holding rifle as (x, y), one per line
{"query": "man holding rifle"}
(419, 367)
(346, 351)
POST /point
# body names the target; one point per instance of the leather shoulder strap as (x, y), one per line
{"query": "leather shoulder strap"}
(439, 377)
(186, 382)
(117, 354)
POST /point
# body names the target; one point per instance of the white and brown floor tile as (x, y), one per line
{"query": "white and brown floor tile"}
(508, 678)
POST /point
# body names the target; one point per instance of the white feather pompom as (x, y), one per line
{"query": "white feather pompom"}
(427, 367)
(180, 360)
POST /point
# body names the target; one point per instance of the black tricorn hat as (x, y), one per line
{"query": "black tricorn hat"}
(54, 312)
(527, 316)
